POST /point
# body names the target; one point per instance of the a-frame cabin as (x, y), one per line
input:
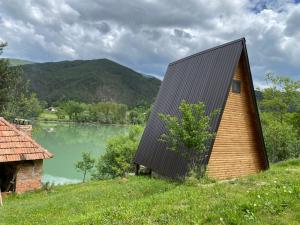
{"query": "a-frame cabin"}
(221, 78)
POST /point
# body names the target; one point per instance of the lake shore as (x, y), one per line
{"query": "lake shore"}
(76, 122)
(67, 141)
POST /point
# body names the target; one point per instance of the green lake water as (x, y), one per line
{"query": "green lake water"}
(67, 142)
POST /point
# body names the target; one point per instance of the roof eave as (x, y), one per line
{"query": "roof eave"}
(267, 164)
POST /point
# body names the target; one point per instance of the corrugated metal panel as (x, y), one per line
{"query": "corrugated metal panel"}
(205, 77)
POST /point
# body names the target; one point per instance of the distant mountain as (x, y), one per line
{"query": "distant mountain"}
(90, 81)
(19, 62)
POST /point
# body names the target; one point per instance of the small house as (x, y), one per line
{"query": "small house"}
(221, 78)
(52, 109)
(21, 158)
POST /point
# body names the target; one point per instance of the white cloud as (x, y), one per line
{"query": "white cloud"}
(147, 35)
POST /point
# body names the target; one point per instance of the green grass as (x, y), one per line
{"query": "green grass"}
(51, 116)
(48, 116)
(271, 197)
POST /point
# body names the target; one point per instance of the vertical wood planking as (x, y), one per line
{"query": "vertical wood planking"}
(237, 150)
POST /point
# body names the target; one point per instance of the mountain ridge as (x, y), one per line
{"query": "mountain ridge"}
(19, 62)
(90, 81)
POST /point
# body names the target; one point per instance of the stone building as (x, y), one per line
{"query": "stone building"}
(21, 158)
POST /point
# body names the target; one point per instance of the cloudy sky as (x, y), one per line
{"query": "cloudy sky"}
(147, 35)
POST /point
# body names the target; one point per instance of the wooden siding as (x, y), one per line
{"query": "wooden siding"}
(237, 150)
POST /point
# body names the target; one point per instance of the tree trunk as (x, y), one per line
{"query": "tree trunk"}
(84, 174)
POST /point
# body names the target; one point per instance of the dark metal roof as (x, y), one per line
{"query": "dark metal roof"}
(206, 77)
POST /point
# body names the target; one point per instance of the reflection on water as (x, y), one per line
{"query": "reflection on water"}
(67, 142)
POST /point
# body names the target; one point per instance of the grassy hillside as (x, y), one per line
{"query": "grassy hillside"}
(272, 197)
(90, 81)
(18, 62)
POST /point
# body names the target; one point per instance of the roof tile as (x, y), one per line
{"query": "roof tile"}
(16, 145)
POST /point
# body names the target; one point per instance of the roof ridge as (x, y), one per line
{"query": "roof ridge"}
(243, 40)
(26, 137)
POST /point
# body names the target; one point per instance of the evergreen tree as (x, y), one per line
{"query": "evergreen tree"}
(15, 98)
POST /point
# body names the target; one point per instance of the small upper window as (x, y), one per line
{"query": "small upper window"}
(236, 86)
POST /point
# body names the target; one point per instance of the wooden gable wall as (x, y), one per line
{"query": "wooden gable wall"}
(237, 149)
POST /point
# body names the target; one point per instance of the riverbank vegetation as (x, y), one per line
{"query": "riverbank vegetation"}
(271, 197)
(101, 113)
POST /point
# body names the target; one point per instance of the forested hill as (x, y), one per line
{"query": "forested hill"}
(90, 81)
(18, 62)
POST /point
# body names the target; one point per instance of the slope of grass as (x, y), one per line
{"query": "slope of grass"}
(271, 197)
(45, 115)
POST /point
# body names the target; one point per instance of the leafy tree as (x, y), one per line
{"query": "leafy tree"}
(86, 164)
(134, 117)
(296, 122)
(72, 108)
(147, 113)
(140, 114)
(192, 130)
(280, 138)
(60, 113)
(280, 122)
(29, 106)
(118, 158)
(103, 112)
(281, 96)
(15, 98)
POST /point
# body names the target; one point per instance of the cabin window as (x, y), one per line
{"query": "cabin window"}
(236, 86)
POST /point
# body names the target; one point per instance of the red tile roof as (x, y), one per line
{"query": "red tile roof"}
(17, 146)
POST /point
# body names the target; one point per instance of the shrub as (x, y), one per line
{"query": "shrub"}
(135, 117)
(60, 113)
(281, 140)
(48, 187)
(192, 130)
(118, 158)
(86, 165)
